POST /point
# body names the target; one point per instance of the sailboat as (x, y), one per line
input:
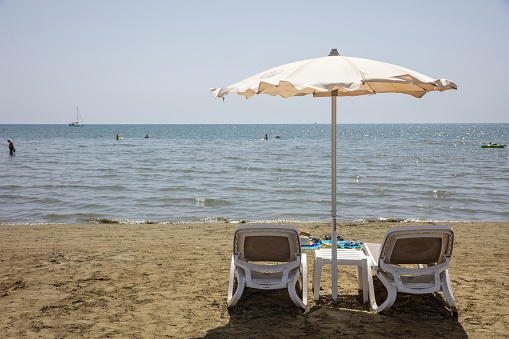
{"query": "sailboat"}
(77, 122)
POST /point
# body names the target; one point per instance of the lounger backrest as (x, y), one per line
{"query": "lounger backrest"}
(427, 245)
(266, 243)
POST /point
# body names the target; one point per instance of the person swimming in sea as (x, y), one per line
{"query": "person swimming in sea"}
(12, 150)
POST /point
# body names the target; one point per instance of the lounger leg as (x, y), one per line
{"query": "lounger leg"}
(293, 293)
(233, 298)
(304, 272)
(231, 280)
(238, 293)
(240, 288)
(391, 297)
(447, 289)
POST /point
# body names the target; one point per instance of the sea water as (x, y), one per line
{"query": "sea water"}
(438, 172)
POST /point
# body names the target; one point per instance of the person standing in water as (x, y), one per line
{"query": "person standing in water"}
(11, 147)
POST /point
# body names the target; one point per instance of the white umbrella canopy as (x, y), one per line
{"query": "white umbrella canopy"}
(333, 76)
(349, 76)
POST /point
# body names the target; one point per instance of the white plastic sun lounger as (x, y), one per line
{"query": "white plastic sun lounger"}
(256, 250)
(428, 247)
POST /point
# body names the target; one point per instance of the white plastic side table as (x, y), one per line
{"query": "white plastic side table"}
(345, 257)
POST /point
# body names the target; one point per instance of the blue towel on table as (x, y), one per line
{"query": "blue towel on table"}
(328, 243)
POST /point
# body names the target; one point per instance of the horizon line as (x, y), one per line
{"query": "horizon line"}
(307, 123)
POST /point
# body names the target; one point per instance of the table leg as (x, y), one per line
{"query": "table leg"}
(365, 285)
(358, 271)
(317, 277)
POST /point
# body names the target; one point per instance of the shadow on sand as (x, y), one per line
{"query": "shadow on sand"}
(271, 314)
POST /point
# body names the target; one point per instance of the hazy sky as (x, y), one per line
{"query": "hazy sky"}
(154, 61)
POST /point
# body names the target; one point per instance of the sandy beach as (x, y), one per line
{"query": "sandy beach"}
(152, 280)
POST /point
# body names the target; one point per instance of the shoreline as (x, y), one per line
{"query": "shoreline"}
(112, 221)
(151, 280)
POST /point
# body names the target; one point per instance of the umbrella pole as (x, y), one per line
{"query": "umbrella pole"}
(334, 234)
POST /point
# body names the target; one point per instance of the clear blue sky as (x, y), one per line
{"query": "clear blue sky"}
(154, 61)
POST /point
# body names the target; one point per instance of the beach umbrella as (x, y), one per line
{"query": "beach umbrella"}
(333, 76)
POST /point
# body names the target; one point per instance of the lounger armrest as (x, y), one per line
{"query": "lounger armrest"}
(406, 286)
(372, 261)
(268, 268)
(284, 268)
(414, 271)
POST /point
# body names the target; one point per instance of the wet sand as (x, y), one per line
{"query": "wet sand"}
(152, 280)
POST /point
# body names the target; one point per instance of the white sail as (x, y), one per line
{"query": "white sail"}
(77, 122)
